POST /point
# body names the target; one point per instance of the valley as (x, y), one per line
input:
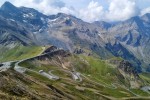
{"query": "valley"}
(61, 57)
(58, 68)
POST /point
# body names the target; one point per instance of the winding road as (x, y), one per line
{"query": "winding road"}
(75, 75)
(6, 65)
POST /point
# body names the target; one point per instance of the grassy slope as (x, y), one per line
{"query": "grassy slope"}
(107, 74)
(145, 76)
(19, 52)
(99, 78)
(98, 70)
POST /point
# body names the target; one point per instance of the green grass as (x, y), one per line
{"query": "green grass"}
(145, 77)
(140, 92)
(103, 73)
(19, 52)
(117, 93)
(94, 66)
(97, 69)
(39, 77)
(99, 77)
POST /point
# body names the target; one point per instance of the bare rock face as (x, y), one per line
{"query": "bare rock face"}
(78, 51)
(127, 68)
(129, 39)
(50, 49)
(129, 74)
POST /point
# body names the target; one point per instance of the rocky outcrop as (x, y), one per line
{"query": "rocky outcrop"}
(50, 49)
(129, 39)
(78, 51)
(129, 74)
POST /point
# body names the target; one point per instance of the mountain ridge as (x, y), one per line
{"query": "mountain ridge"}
(68, 32)
(62, 57)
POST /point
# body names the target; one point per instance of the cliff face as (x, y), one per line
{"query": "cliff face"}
(129, 39)
(59, 74)
(129, 74)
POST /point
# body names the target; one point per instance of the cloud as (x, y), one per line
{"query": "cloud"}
(58, 3)
(53, 3)
(44, 6)
(146, 10)
(117, 10)
(92, 13)
(120, 10)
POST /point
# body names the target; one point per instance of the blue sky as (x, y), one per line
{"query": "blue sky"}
(89, 10)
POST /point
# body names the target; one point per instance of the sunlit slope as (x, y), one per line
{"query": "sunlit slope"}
(100, 78)
(19, 52)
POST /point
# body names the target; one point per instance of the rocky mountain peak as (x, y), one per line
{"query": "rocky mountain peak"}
(8, 7)
(146, 17)
(135, 21)
(61, 15)
(130, 74)
(67, 31)
(103, 24)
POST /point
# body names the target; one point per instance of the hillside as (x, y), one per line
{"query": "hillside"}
(58, 74)
(102, 39)
(61, 57)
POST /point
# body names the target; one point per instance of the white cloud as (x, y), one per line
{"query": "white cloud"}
(92, 13)
(53, 3)
(146, 10)
(120, 10)
(45, 6)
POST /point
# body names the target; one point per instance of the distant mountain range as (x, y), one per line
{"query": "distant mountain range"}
(129, 39)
